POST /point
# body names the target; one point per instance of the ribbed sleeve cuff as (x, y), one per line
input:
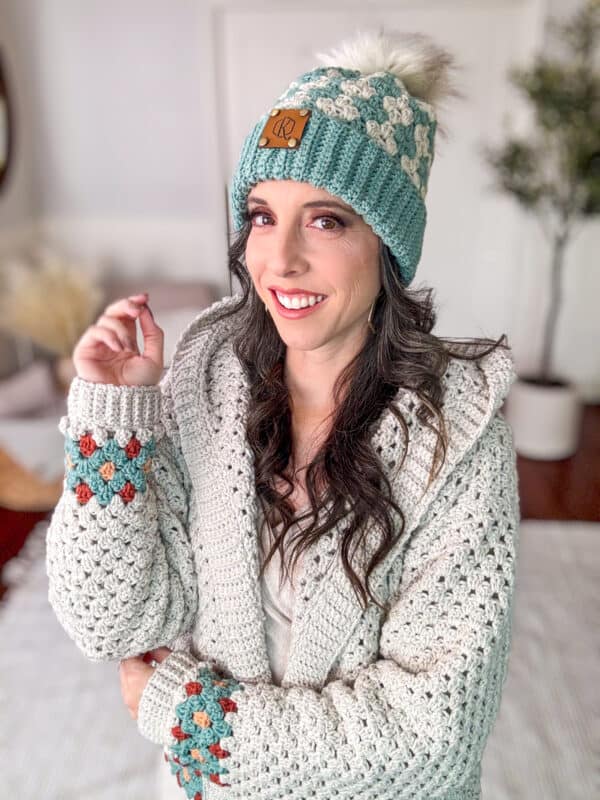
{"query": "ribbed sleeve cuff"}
(114, 407)
(163, 692)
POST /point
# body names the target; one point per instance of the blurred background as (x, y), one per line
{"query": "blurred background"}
(120, 127)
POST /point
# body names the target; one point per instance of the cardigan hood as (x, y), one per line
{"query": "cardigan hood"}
(377, 704)
(205, 374)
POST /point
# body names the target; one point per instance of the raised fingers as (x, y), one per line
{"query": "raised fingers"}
(125, 331)
(153, 336)
(106, 335)
(126, 307)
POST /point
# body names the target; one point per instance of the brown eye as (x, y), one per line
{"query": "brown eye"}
(255, 215)
(332, 223)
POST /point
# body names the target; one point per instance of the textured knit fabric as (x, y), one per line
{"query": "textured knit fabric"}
(372, 704)
(367, 140)
(196, 753)
(103, 467)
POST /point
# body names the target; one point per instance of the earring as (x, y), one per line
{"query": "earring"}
(370, 315)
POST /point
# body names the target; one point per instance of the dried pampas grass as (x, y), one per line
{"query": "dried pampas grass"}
(47, 300)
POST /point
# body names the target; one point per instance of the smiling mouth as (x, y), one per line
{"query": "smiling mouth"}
(297, 302)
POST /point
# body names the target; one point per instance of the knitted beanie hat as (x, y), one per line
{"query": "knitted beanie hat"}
(362, 127)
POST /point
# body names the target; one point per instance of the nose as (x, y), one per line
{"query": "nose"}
(286, 253)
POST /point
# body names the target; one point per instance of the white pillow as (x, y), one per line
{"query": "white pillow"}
(30, 390)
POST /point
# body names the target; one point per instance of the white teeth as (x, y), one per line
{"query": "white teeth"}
(299, 301)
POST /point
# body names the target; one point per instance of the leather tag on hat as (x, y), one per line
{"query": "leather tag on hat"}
(284, 128)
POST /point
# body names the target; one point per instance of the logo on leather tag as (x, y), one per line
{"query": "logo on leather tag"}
(284, 128)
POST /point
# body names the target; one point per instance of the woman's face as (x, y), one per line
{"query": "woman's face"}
(303, 238)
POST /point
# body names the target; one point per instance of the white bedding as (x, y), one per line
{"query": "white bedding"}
(66, 734)
(35, 443)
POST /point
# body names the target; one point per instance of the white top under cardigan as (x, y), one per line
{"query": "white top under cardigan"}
(278, 597)
(374, 704)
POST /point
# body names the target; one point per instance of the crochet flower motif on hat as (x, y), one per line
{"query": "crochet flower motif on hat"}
(369, 139)
(303, 94)
(412, 165)
(364, 98)
(340, 106)
(358, 88)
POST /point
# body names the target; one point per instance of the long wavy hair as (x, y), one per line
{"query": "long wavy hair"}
(402, 353)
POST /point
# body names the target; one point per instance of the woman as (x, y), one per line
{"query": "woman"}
(301, 541)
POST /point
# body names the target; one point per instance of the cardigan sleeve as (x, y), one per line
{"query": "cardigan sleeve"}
(121, 572)
(413, 723)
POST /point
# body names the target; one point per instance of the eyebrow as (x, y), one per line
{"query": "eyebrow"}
(312, 204)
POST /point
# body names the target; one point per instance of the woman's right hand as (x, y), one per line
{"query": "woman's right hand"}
(107, 352)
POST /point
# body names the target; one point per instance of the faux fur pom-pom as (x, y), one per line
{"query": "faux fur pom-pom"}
(423, 66)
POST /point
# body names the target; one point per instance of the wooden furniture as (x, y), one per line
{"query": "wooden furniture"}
(15, 527)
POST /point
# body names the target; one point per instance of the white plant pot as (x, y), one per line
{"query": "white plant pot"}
(545, 419)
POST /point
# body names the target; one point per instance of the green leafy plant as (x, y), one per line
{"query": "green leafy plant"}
(555, 172)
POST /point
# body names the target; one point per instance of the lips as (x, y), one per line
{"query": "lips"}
(296, 313)
(291, 292)
(305, 299)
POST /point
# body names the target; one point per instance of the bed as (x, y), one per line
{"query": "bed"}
(67, 734)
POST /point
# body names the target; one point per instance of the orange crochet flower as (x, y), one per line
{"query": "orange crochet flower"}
(87, 445)
(107, 470)
(83, 492)
(202, 719)
(218, 751)
(128, 492)
(178, 733)
(133, 447)
(227, 704)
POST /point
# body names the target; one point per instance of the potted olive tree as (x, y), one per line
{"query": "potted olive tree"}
(555, 175)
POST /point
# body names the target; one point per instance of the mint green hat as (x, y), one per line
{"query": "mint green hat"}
(354, 129)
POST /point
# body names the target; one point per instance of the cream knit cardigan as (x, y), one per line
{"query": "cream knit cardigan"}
(371, 706)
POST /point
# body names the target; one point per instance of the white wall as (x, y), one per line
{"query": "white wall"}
(467, 256)
(17, 193)
(130, 110)
(124, 146)
(482, 254)
(123, 169)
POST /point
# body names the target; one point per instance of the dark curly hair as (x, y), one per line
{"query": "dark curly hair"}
(403, 353)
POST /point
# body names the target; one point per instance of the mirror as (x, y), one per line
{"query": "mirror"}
(5, 128)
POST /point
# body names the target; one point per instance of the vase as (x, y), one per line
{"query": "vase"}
(545, 417)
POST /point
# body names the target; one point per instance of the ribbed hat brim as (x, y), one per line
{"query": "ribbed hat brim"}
(335, 156)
